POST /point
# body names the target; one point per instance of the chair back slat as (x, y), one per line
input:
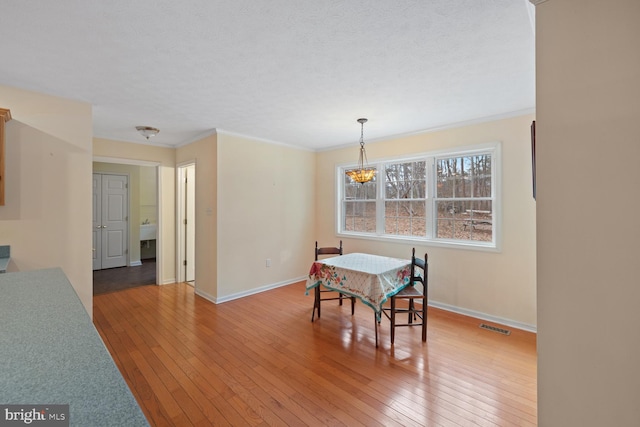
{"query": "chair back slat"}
(419, 276)
(328, 250)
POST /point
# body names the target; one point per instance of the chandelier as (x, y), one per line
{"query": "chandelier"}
(363, 173)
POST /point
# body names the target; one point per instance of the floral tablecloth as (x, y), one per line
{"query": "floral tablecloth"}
(371, 278)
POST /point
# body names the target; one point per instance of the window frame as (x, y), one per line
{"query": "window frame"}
(430, 157)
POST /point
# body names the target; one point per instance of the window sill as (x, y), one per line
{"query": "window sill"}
(440, 243)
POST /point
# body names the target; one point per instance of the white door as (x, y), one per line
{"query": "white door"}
(110, 227)
(190, 226)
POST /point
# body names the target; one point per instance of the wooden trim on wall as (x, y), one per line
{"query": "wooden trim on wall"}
(5, 116)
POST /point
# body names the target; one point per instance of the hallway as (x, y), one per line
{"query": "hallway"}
(115, 279)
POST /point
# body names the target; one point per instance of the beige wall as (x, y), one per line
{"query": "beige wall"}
(204, 154)
(47, 215)
(588, 110)
(265, 211)
(497, 285)
(124, 152)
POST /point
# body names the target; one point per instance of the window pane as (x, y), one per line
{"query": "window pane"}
(391, 225)
(404, 209)
(360, 216)
(482, 178)
(391, 217)
(419, 189)
(390, 209)
(350, 192)
(355, 191)
(405, 182)
(391, 190)
(418, 209)
(458, 176)
(404, 226)
(418, 226)
(465, 220)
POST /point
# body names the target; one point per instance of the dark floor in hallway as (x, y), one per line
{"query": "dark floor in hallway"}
(115, 279)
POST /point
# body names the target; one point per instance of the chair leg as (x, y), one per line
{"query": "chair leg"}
(316, 302)
(340, 299)
(412, 311)
(375, 326)
(393, 319)
(424, 320)
(353, 305)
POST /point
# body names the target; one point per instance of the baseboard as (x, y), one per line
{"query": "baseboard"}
(169, 281)
(205, 295)
(484, 316)
(435, 304)
(220, 300)
(135, 263)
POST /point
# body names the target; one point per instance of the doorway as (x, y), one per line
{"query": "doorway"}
(187, 222)
(110, 220)
(144, 233)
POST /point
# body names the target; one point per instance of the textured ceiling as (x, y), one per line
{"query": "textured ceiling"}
(298, 72)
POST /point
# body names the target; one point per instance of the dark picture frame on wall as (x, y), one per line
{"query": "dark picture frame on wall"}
(533, 156)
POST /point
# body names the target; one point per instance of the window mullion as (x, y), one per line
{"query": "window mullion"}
(381, 181)
(431, 193)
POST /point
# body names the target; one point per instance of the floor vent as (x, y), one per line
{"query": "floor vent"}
(494, 329)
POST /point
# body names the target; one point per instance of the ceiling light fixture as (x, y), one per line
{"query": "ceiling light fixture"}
(147, 131)
(363, 173)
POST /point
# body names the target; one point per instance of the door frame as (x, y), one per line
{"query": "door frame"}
(181, 272)
(159, 237)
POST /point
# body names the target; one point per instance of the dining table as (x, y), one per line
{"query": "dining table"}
(373, 279)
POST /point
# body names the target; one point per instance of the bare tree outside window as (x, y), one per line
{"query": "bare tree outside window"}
(463, 198)
(359, 206)
(405, 199)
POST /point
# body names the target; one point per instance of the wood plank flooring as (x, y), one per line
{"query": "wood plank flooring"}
(259, 361)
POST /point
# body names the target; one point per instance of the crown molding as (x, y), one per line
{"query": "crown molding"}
(537, 2)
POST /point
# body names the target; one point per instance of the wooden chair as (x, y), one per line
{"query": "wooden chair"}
(419, 275)
(318, 292)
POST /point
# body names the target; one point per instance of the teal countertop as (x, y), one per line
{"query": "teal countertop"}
(5, 257)
(52, 354)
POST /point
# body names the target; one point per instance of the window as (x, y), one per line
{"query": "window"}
(444, 198)
(359, 206)
(405, 199)
(463, 199)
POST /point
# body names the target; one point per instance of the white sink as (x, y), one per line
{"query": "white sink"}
(148, 231)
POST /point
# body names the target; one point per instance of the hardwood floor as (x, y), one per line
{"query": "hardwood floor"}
(259, 361)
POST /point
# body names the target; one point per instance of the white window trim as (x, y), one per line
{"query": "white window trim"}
(496, 185)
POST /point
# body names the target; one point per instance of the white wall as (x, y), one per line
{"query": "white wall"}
(495, 285)
(47, 215)
(588, 148)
